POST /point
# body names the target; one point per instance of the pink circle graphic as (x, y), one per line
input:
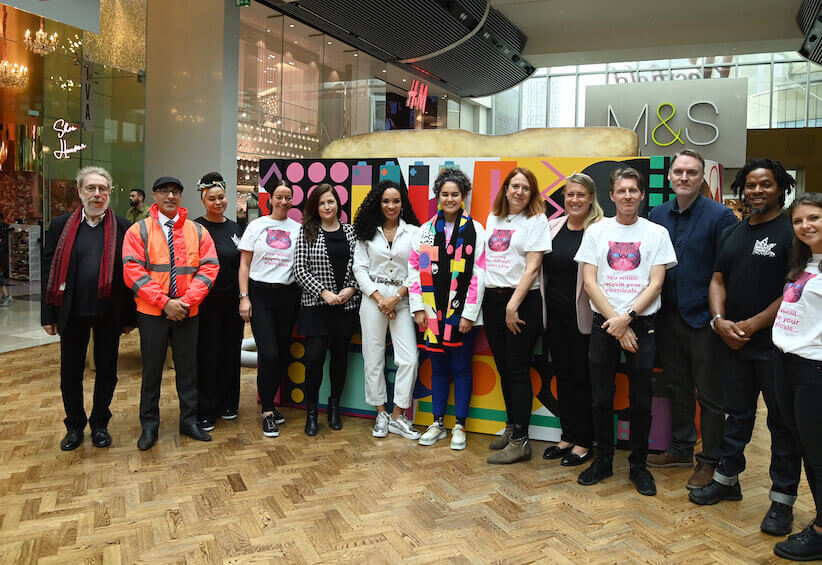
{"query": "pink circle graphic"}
(294, 172)
(339, 171)
(298, 195)
(450, 249)
(468, 249)
(295, 214)
(342, 193)
(316, 172)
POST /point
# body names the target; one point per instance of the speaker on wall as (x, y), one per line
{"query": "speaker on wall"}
(809, 20)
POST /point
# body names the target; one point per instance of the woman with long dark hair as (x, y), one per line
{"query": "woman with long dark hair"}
(269, 297)
(221, 327)
(328, 308)
(516, 238)
(797, 335)
(447, 266)
(385, 226)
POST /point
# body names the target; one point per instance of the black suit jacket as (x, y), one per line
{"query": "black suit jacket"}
(120, 304)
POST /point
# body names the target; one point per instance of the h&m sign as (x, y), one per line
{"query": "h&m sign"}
(709, 116)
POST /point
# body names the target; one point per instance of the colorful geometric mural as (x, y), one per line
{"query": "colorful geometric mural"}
(353, 178)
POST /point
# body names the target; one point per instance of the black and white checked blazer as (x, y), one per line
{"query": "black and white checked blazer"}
(313, 271)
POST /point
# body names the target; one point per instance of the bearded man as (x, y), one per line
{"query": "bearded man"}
(83, 290)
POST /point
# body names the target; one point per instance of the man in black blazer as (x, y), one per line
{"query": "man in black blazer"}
(83, 289)
(686, 342)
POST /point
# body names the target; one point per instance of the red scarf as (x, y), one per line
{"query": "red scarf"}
(62, 256)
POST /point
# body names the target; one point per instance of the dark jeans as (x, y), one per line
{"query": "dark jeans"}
(273, 313)
(745, 373)
(218, 356)
(316, 347)
(454, 361)
(688, 357)
(604, 356)
(798, 384)
(512, 353)
(73, 349)
(569, 352)
(156, 332)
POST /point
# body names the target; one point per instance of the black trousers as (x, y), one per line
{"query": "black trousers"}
(218, 356)
(156, 332)
(688, 357)
(73, 349)
(569, 351)
(273, 312)
(604, 356)
(512, 353)
(316, 348)
(745, 373)
(798, 384)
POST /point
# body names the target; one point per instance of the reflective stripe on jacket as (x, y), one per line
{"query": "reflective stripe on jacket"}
(146, 264)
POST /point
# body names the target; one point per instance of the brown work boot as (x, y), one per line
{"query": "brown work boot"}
(667, 459)
(702, 475)
(517, 450)
(501, 441)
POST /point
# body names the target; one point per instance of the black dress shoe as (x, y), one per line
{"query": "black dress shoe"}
(147, 439)
(778, 520)
(595, 473)
(71, 440)
(194, 432)
(100, 437)
(556, 452)
(334, 421)
(572, 459)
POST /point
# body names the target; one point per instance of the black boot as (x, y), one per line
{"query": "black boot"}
(334, 421)
(312, 428)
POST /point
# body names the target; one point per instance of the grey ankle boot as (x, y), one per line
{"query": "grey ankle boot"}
(501, 441)
(517, 450)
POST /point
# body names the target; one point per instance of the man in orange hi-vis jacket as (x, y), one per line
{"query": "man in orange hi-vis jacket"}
(170, 264)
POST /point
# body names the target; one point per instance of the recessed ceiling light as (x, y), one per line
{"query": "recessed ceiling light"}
(356, 55)
(384, 71)
(329, 43)
(404, 80)
(290, 25)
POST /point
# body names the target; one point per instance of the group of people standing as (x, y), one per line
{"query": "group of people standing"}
(602, 287)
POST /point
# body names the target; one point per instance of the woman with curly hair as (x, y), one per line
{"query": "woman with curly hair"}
(385, 226)
(447, 265)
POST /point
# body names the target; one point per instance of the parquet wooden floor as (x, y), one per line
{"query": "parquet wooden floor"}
(339, 497)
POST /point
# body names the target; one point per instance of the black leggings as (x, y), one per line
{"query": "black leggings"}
(218, 356)
(798, 383)
(273, 312)
(512, 353)
(316, 347)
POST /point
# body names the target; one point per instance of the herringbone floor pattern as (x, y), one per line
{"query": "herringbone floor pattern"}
(338, 497)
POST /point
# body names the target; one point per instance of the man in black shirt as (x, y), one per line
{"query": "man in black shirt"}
(83, 289)
(745, 293)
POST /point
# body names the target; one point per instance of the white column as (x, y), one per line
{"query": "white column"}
(192, 61)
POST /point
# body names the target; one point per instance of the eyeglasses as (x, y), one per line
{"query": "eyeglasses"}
(175, 192)
(92, 188)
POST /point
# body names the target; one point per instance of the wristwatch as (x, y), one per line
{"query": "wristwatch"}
(632, 314)
(713, 321)
(243, 295)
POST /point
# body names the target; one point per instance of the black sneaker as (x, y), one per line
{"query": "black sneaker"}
(279, 418)
(713, 492)
(804, 546)
(595, 473)
(228, 414)
(270, 428)
(205, 424)
(777, 521)
(644, 481)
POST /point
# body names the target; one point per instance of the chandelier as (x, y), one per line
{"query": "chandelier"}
(11, 76)
(41, 44)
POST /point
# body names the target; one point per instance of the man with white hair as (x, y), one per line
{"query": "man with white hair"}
(83, 290)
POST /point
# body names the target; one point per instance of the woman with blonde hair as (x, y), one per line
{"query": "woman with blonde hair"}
(569, 317)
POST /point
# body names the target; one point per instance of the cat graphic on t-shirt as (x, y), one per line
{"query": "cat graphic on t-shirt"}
(793, 290)
(500, 240)
(278, 239)
(624, 255)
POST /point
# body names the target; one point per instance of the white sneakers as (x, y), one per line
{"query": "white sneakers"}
(381, 425)
(458, 439)
(437, 431)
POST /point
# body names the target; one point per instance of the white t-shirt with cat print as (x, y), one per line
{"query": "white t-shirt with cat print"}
(272, 244)
(507, 240)
(798, 325)
(624, 256)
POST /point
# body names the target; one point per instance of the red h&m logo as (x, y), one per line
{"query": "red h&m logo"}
(417, 96)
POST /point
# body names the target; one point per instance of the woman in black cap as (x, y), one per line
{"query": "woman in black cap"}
(221, 328)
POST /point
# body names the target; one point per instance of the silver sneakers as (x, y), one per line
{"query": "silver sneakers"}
(6, 301)
(458, 440)
(381, 425)
(403, 427)
(433, 434)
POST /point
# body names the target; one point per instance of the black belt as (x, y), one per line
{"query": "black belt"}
(500, 290)
(272, 285)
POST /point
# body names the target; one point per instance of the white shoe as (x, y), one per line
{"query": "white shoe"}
(433, 434)
(458, 440)
(381, 425)
(403, 427)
